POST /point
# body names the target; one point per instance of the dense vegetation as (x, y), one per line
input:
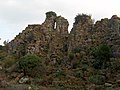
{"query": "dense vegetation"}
(29, 62)
(102, 55)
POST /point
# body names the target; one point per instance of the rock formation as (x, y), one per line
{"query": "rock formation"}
(52, 40)
(80, 35)
(67, 57)
(47, 39)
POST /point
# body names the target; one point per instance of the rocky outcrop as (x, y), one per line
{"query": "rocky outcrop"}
(107, 32)
(52, 40)
(47, 39)
(80, 36)
(59, 39)
(85, 35)
(67, 56)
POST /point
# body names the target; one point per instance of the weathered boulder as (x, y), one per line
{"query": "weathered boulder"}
(23, 80)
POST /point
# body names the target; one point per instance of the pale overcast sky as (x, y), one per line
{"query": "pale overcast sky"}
(15, 15)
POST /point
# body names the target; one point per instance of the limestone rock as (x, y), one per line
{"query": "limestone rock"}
(108, 84)
(1, 67)
(23, 80)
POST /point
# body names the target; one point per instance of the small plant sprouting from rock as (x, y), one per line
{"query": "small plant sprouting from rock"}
(71, 56)
(81, 18)
(97, 79)
(50, 14)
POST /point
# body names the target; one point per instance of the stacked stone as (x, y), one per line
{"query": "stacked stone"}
(80, 36)
(46, 39)
(107, 32)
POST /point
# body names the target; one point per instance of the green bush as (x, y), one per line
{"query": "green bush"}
(50, 14)
(59, 73)
(76, 50)
(97, 79)
(65, 48)
(102, 55)
(9, 60)
(81, 18)
(3, 54)
(115, 65)
(38, 71)
(6, 59)
(2, 47)
(29, 62)
(79, 74)
(71, 56)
